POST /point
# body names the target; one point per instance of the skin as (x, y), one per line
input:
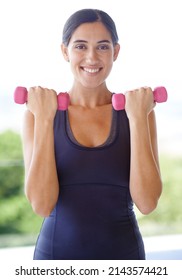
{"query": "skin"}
(91, 55)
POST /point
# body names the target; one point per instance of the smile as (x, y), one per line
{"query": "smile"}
(91, 70)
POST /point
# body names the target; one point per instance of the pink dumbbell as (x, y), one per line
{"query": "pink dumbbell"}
(118, 100)
(21, 97)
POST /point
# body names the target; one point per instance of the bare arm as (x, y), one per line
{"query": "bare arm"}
(41, 182)
(145, 180)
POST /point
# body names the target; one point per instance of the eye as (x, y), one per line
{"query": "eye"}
(80, 46)
(104, 47)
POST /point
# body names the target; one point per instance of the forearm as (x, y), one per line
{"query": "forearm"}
(42, 186)
(145, 181)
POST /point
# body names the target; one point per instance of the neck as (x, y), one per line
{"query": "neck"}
(90, 97)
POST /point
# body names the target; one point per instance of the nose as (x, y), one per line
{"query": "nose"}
(91, 56)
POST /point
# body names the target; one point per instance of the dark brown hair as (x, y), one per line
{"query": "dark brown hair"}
(86, 16)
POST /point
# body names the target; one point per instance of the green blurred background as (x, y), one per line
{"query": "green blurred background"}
(19, 225)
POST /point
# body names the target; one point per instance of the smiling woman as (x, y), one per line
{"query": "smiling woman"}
(90, 50)
(86, 166)
(91, 59)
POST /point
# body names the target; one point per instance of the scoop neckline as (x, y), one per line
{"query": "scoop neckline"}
(107, 143)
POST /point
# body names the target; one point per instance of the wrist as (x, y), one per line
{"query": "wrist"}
(138, 121)
(43, 121)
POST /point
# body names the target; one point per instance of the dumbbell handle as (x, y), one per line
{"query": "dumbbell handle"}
(21, 97)
(118, 100)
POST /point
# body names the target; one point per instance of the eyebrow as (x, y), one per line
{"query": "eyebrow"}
(99, 42)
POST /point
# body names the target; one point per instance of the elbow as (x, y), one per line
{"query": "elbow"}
(150, 201)
(42, 202)
(148, 207)
(40, 207)
(148, 204)
(42, 211)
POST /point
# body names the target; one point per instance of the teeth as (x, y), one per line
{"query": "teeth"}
(91, 70)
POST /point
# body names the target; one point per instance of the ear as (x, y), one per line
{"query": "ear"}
(64, 50)
(116, 51)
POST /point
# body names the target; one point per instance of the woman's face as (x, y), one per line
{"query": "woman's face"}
(91, 54)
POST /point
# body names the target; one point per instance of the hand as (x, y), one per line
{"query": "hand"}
(139, 102)
(42, 102)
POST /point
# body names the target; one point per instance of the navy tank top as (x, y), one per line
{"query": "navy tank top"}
(93, 218)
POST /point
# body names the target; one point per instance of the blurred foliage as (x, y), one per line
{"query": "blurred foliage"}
(11, 179)
(16, 215)
(167, 218)
(10, 146)
(17, 219)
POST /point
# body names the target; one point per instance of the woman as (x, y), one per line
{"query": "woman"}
(85, 167)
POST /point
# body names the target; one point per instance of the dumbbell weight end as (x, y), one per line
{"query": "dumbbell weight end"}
(160, 94)
(20, 95)
(118, 101)
(63, 101)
